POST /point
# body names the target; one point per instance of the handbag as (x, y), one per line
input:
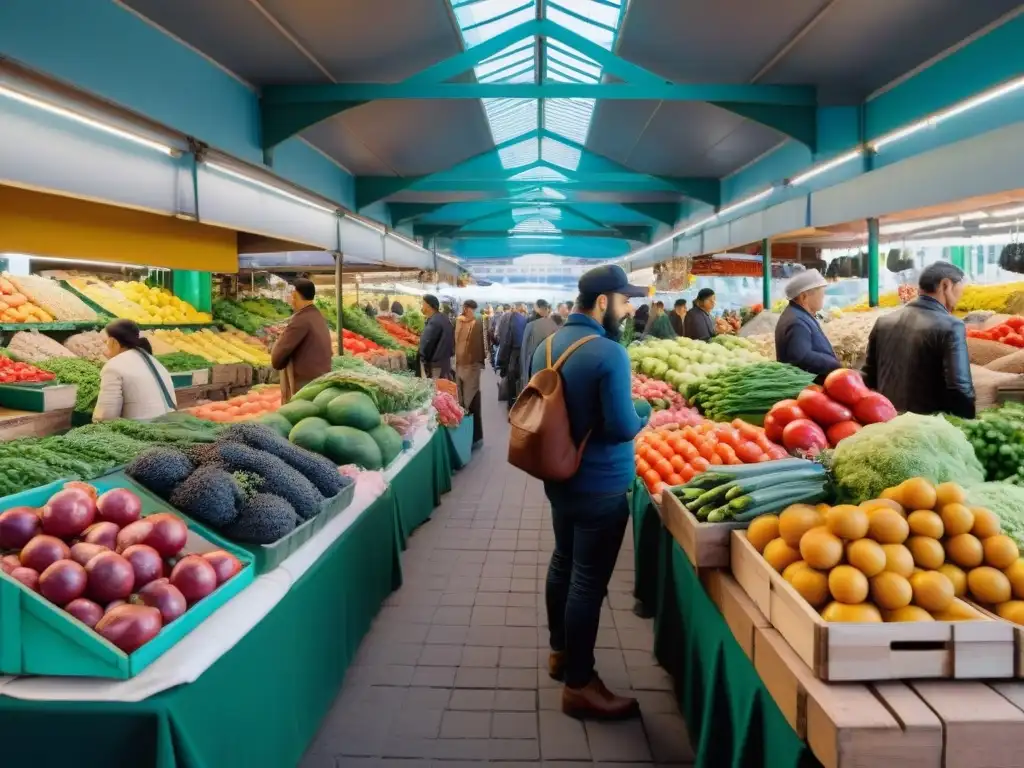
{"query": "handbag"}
(168, 400)
(504, 389)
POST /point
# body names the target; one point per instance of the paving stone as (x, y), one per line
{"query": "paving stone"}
(420, 699)
(440, 656)
(517, 678)
(480, 656)
(668, 737)
(514, 725)
(447, 635)
(422, 724)
(562, 738)
(521, 617)
(488, 616)
(434, 677)
(510, 700)
(465, 725)
(623, 741)
(476, 677)
(452, 616)
(524, 658)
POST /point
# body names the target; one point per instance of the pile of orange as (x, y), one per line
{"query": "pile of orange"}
(251, 405)
(672, 456)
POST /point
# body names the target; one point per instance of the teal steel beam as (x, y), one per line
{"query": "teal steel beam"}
(666, 213)
(465, 61)
(401, 212)
(277, 125)
(797, 120)
(370, 189)
(639, 234)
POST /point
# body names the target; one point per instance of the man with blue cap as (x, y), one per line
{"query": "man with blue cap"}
(589, 511)
(799, 339)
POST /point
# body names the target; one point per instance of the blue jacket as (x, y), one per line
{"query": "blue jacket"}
(597, 388)
(800, 341)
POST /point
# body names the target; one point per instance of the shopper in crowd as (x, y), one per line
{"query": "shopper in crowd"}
(678, 317)
(369, 310)
(589, 512)
(304, 350)
(535, 332)
(564, 309)
(698, 323)
(397, 308)
(558, 320)
(437, 342)
(469, 363)
(917, 356)
(509, 346)
(133, 383)
(640, 318)
(658, 325)
(799, 339)
(495, 329)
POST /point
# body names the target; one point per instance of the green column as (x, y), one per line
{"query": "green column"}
(873, 262)
(194, 287)
(766, 274)
(956, 255)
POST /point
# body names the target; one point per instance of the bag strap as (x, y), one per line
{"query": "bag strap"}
(565, 355)
(168, 401)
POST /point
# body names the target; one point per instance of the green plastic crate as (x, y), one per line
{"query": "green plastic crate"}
(38, 638)
(38, 398)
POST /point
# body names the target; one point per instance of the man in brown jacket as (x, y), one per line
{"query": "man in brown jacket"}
(469, 363)
(303, 351)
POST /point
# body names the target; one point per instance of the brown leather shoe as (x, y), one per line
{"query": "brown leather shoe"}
(595, 702)
(556, 665)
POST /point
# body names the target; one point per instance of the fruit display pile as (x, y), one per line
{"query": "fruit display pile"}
(56, 303)
(33, 347)
(251, 484)
(1008, 332)
(123, 575)
(217, 347)
(746, 491)
(355, 344)
(659, 394)
(909, 555)
(390, 392)
(88, 345)
(681, 416)
(16, 308)
(12, 372)
(399, 333)
(669, 456)
(682, 361)
(253, 404)
(820, 417)
(749, 390)
(449, 412)
(144, 304)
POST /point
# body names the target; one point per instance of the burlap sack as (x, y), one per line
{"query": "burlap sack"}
(1012, 363)
(995, 320)
(983, 351)
(987, 383)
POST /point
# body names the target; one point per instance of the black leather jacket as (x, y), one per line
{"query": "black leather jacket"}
(917, 357)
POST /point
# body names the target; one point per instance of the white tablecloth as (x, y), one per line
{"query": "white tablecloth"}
(197, 651)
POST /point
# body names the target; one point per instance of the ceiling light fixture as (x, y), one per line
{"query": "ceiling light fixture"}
(910, 226)
(77, 117)
(368, 224)
(90, 262)
(224, 170)
(807, 175)
(745, 202)
(973, 216)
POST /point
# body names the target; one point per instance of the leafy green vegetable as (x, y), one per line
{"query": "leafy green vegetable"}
(881, 456)
(1007, 501)
(82, 373)
(272, 309)
(997, 436)
(183, 361)
(747, 389)
(227, 311)
(413, 320)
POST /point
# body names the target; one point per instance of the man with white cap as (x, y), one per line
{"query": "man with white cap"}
(799, 339)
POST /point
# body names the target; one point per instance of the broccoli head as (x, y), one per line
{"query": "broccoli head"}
(161, 470)
(322, 472)
(210, 495)
(278, 477)
(263, 519)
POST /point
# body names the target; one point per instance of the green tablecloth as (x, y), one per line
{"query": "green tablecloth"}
(260, 704)
(430, 468)
(646, 530)
(733, 720)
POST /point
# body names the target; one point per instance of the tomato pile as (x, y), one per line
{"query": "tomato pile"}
(356, 344)
(667, 456)
(1005, 333)
(21, 373)
(822, 416)
(399, 332)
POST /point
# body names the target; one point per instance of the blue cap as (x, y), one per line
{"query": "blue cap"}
(609, 279)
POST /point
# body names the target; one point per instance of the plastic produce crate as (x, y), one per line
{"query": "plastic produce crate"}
(38, 638)
(38, 398)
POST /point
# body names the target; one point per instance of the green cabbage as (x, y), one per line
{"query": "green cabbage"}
(1007, 501)
(881, 456)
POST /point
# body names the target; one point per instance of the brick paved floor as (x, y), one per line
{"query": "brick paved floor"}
(452, 671)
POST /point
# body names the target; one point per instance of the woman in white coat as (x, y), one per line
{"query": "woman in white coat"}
(133, 383)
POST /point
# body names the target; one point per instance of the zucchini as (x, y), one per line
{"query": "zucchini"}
(765, 509)
(720, 514)
(708, 480)
(737, 471)
(812, 472)
(777, 493)
(716, 494)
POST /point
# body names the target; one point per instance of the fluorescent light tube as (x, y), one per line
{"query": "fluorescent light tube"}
(66, 260)
(910, 226)
(748, 201)
(223, 169)
(55, 109)
(982, 98)
(369, 225)
(824, 167)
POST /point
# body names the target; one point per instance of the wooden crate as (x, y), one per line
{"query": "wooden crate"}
(968, 650)
(14, 424)
(706, 544)
(738, 610)
(1018, 638)
(848, 724)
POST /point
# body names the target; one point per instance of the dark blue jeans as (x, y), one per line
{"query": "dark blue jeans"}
(588, 535)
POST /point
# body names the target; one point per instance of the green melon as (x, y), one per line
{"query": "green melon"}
(297, 410)
(353, 409)
(346, 445)
(389, 442)
(310, 433)
(276, 422)
(321, 401)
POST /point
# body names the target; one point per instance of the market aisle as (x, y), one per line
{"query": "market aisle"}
(452, 669)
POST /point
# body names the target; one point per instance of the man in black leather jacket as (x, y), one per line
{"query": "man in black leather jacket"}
(917, 357)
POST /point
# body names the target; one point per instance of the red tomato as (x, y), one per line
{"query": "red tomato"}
(784, 412)
(804, 435)
(822, 409)
(1016, 322)
(843, 429)
(772, 428)
(846, 386)
(873, 409)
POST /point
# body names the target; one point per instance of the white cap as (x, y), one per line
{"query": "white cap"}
(807, 280)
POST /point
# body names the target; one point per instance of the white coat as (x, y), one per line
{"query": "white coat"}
(128, 389)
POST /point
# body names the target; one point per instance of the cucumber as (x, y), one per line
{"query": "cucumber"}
(812, 472)
(737, 471)
(716, 494)
(765, 509)
(720, 514)
(775, 494)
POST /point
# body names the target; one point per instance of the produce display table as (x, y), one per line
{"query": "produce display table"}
(732, 718)
(460, 442)
(255, 695)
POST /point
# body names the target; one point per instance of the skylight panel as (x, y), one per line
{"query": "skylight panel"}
(483, 20)
(597, 33)
(540, 173)
(552, 194)
(569, 118)
(557, 153)
(510, 118)
(518, 155)
(535, 225)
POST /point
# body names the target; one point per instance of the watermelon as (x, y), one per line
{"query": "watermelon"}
(276, 422)
(325, 397)
(346, 445)
(389, 442)
(310, 433)
(353, 409)
(297, 410)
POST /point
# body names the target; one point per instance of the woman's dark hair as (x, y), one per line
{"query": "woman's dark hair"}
(127, 334)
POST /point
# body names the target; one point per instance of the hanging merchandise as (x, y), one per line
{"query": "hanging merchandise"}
(673, 275)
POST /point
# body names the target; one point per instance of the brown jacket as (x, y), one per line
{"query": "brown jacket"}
(303, 350)
(469, 341)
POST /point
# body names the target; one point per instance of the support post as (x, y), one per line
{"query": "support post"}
(872, 262)
(766, 274)
(337, 298)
